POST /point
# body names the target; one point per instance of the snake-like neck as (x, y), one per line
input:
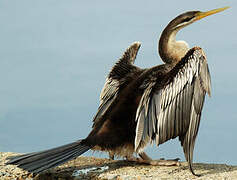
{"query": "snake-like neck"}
(170, 50)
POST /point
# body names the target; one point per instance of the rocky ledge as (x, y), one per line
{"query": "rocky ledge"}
(96, 168)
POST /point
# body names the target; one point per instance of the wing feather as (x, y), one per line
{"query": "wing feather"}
(175, 109)
(119, 75)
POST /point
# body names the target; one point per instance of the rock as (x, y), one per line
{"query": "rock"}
(105, 169)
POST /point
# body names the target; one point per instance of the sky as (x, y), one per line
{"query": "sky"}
(55, 56)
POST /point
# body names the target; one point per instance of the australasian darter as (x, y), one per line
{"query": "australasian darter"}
(141, 106)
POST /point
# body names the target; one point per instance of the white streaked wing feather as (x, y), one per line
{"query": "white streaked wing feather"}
(178, 106)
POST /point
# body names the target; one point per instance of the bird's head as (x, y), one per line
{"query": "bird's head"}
(191, 16)
(170, 50)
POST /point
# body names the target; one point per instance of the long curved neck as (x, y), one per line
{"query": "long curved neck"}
(170, 50)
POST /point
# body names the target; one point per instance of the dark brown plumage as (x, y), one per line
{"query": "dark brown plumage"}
(138, 106)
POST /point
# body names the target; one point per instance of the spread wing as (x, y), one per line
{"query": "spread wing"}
(120, 74)
(174, 109)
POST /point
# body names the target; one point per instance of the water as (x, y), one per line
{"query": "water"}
(55, 55)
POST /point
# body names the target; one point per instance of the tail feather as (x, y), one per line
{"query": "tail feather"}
(40, 161)
(47, 162)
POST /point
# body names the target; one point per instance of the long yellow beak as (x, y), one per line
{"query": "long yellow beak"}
(201, 15)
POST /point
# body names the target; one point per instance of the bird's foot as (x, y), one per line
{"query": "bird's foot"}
(161, 162)
(133, 159)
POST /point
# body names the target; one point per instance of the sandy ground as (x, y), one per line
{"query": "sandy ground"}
(96, 168)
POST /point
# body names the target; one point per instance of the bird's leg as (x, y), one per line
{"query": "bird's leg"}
(111, 155)
(144, 156)
(161, 162)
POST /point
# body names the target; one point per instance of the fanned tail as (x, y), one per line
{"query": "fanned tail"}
(40, 161)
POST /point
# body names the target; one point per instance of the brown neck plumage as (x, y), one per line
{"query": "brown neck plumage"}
(170, 50)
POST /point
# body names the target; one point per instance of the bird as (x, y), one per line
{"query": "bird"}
(141, 106)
